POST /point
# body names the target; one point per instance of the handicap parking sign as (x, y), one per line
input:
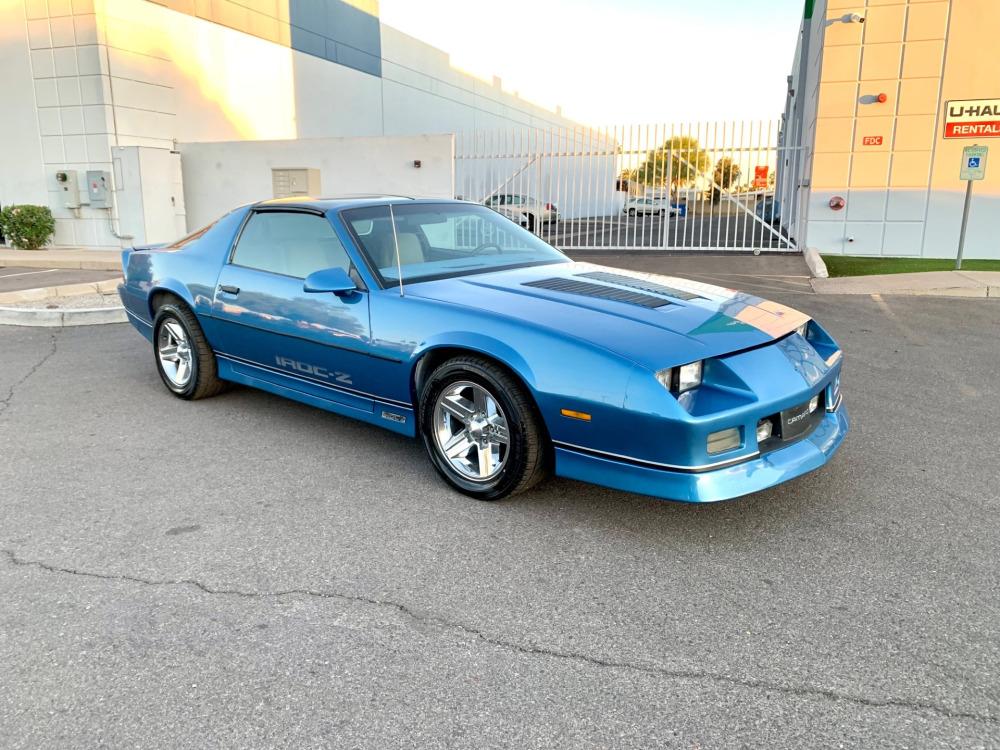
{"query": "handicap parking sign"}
(974, 163)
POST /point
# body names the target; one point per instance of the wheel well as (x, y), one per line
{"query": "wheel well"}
(430, 361)
(162, 297)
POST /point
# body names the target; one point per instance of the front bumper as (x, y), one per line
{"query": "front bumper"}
(726, 483)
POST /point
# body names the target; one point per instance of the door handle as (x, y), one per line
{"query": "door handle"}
(229, 289)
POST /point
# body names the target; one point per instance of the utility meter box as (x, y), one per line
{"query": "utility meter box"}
(287, 182)
(98, 187)
(70, 187)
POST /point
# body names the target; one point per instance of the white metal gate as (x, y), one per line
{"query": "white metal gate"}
(701, 186)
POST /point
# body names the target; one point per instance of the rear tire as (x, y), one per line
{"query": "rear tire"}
(481, 429)
(631, 212)
(185, 361)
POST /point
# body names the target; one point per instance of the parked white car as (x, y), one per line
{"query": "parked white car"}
(649, 206)
(523, 209)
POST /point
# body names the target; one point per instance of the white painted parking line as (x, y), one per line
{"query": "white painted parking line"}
(714, 278)
(908, 333)
(26, 273)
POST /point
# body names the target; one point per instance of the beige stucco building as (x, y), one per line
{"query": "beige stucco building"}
(868, 104)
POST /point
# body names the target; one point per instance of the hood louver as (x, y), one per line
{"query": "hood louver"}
(586, 289)
(640, 284)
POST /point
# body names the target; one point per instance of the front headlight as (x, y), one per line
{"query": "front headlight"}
(680, 379)
(803, 329)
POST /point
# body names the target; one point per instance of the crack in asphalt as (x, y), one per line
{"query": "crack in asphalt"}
(5, 401)
(431, 619)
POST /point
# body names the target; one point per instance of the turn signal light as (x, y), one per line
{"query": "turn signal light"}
(724, 440)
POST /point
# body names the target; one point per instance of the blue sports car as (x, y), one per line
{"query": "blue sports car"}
(446, 320)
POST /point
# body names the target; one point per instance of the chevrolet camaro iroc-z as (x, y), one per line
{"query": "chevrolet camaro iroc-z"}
(446, 321)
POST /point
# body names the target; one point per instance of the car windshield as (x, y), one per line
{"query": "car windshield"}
(439, 240)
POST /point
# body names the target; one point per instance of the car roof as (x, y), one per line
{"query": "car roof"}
(347, 201)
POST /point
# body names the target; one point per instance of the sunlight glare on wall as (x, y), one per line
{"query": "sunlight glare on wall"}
(250, 80)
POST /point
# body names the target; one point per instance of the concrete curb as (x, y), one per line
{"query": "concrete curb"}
(40, 317)
(969, 284)
(992, 292)
(815, 262)
(108, 286)
(85, 260)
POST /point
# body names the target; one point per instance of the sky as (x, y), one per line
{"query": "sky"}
(620, 61)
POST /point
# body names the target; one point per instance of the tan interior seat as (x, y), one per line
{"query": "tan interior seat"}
(410, 249)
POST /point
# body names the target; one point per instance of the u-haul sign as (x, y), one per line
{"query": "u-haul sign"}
(972, 118)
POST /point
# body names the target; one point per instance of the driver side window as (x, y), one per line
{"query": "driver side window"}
(290, 243)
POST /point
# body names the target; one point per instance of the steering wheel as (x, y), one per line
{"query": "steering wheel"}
(485, 245)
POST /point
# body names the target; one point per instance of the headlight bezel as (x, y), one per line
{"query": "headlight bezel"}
(682, 378)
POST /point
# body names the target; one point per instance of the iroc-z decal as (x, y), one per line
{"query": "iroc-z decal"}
(315, 370)
(392, 417)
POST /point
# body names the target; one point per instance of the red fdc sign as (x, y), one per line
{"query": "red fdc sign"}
(871, 140)
(972, 118)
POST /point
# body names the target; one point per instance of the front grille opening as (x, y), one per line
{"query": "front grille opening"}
(790, 426)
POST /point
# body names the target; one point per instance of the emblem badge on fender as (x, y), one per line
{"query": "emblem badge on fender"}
(315, 370)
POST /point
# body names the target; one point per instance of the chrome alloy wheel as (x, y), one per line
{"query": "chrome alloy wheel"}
(470, 431)
(174, 351)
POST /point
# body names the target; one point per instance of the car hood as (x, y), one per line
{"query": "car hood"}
(656, 321)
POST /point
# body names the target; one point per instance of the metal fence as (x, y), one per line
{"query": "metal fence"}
(698, 186)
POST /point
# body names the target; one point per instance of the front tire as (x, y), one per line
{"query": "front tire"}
(481, 429)
(183, 357)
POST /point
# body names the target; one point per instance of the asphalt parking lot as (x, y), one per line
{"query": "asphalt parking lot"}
(702, 228)
(246, 571)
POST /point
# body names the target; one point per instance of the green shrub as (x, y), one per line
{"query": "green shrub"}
(27, 227)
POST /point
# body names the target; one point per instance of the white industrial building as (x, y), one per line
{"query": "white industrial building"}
(103, 99)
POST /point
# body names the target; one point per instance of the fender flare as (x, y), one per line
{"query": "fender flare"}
(475, 343)
(173, 286)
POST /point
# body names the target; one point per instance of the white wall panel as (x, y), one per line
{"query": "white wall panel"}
(221, 176)
(903, 238)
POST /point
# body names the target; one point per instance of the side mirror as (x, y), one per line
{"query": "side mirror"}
(334, 280)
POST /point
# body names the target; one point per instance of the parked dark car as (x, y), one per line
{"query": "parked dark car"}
(769, 210)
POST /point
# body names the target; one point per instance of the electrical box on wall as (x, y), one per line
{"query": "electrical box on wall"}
(70, 187)
(149, 194)
(98, 187)
(289, 182)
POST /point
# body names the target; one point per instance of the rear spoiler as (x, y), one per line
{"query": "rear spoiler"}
(126, 254)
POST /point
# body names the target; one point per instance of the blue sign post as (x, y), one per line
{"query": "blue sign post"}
(973, 168)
